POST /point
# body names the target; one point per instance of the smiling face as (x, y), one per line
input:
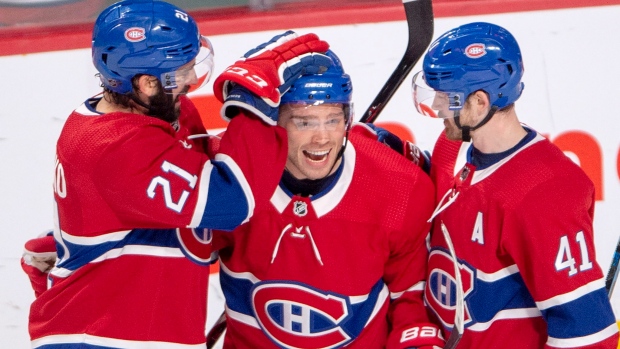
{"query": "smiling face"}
(315, 137)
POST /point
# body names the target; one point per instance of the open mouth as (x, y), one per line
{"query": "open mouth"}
(316, 156)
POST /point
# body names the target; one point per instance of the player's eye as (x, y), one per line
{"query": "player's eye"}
(306, 124)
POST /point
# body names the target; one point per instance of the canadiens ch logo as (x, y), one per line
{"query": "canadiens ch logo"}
(300, 208)
(475, 50)
(296, 316)
(440, 292)
(196, 244)
(135, 34)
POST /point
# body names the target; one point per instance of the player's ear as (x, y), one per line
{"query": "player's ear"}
(480, 100)
(147, 84)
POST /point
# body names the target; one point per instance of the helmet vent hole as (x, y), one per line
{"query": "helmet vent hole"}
(185, 50)
(166, 29)
(104, 58)
(436, 76)
(310, 96)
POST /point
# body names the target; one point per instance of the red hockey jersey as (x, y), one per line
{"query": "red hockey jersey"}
(523, 238)
(342, 268)
(124, 183)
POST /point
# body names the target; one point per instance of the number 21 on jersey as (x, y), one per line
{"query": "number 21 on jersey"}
(167, 167)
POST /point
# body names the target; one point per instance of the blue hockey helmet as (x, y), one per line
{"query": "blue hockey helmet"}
(149, 37)
(469, 58)
(332, 86)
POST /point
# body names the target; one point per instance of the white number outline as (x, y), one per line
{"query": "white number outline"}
(564, 259)
(165, 184)
(60, 182)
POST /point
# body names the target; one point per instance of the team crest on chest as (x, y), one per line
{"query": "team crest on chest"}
(440, 291)
(298, 316)
(300, 208)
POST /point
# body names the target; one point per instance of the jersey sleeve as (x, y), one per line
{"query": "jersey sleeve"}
(154, 180)
(405, 272)
(553, 247)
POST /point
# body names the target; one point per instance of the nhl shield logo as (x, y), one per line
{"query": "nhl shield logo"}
(300, 208)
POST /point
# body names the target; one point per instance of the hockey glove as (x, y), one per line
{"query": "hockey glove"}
(240, 97)
(38, 259)
(269, 70)
(409, 150)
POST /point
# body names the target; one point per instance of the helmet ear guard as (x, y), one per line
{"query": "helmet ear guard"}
(153, 38)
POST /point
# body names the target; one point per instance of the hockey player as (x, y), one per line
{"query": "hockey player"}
(133, 180)
(338, 258)
(516, 209)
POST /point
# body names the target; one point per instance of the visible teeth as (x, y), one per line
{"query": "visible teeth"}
(316, 156)
(317, 153)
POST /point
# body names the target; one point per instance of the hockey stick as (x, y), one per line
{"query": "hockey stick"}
(420, 22)
(459, 312)
(612, 274)
(216, 331)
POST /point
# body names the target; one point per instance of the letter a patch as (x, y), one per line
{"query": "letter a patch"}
(478, 233)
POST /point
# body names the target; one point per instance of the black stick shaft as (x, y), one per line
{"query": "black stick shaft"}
(216, 331)
(612, 274)
(421, 25)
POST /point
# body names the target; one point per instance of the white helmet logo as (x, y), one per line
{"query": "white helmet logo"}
(475, 51)
(135, 34)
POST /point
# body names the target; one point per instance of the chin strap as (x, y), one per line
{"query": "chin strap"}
(466, 130)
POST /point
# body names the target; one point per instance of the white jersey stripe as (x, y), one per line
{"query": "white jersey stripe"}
(203, 192)
(244, 319)
(142, 250)
(505, 315)
(417, 287)
(571, 296)
(500, 274)
(95, 240)
(109, 342)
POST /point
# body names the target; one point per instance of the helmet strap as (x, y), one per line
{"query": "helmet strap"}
(466, 130)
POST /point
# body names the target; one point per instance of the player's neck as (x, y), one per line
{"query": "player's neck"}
(105, 106)
(501, 133)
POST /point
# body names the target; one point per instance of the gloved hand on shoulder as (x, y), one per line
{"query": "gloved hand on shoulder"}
(409, 150)
(257, 81)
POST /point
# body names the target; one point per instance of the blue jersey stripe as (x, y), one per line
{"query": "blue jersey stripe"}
(579, 318)
(82, 254)
(229, 200)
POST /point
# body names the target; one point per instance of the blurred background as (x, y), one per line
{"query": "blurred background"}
(571, 80)
(32, 13)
